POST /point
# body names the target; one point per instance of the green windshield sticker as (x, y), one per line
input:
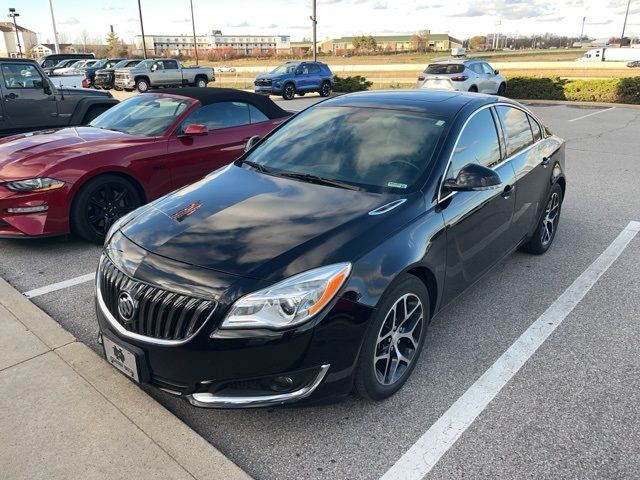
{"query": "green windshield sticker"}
(396, 185)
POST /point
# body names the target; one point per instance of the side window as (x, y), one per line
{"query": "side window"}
(535, 127)
(159, 65)
(314, 69)
(256, 115)
(517, 129)
(487, 69)
(20, 75)
(305, 69)
(170, 65)
(220, 115)
(477, 144)
(475, 67)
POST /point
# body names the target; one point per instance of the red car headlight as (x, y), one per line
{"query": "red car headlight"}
(33, 185)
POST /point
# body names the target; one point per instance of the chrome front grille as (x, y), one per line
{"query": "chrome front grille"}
(121, 76)
(155, 313)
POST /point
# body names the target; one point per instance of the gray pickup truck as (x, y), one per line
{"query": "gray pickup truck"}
(32, 101)
(161, 72)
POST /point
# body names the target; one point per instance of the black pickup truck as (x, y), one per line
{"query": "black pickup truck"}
(31, 100)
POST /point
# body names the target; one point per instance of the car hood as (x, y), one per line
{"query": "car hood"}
(271, 76)
(241, 222)
(33, 153)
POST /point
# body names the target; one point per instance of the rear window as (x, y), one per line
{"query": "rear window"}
(444, 68)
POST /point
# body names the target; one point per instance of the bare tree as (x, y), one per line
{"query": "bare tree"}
(420, 40)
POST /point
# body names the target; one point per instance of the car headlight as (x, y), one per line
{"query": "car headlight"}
(290, 302)
(34, 185)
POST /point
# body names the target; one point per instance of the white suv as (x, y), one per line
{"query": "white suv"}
(468, 75)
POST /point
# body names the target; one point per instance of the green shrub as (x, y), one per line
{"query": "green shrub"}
(350, 84)
(535, 88)
(616, 90)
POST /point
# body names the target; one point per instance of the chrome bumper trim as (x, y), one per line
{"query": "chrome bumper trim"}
(212, 400)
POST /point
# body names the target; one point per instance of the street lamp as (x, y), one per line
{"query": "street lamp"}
(314, 21)
(624, 25)
(13, 14)
(55, 32)
(144, 44)
(195, 41)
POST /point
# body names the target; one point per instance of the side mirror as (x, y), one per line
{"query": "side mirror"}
(472, 178)
(195, 130)
(496, 72)
(251, 143)
(47, 89)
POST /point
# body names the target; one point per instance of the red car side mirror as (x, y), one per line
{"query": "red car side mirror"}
(196, 129)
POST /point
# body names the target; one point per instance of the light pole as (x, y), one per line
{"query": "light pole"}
(624, 25)
(144, 44)
(193, 24)
(55, 32)
(13, 14)
(314, 22)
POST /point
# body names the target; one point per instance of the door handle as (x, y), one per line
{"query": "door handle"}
(508, 190)
(545, 161)
(11, 96)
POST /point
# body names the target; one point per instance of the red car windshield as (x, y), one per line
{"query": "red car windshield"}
(146, 115)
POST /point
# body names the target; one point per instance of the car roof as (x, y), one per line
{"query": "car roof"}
(460, 61)
(208, 96)
(436, 102)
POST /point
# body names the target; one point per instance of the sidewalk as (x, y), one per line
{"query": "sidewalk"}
(66, 414)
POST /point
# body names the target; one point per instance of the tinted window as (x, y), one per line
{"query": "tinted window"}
(376, 149)
(444, 69)
(487, 69)
(21, 75)
(535, 127)
(477, 144)
(170, 65)
(477, 68)
(517, 129)
(256, 115)
(142, 115)
(314, 69)
(220, 115)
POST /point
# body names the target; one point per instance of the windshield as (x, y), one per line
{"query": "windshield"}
(99, 64)
(286, 68)
(121, 64)
(146, 63)
(376, 149)
(77, 64)
(146, 115)
(444, 68)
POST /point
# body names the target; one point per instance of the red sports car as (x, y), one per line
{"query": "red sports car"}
(82, 179)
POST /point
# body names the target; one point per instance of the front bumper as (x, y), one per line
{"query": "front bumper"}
(103, 81)
(51, 216)
(273, 89)
(218, 368)
(124, 82)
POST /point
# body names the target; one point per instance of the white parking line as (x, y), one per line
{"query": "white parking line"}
(591, 114)
(444, 433)
(60, 285)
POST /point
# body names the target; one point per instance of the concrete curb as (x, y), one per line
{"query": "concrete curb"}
(577, 104)
(200, 459)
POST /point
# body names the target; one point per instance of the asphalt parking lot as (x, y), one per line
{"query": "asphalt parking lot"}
(569, 412)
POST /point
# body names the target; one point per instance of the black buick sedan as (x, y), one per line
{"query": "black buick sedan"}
(312, 266)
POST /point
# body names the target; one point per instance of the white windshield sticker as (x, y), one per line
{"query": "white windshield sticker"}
(397, 185)
(439, 123)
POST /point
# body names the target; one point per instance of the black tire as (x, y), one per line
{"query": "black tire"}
(547, 226)
(325, 89)
(289, 91)
(201, 82)
(377, 380)
(473, 89)
(502, 88)
(99, 203)
(301, 94)
(93, 113)
(142, 85)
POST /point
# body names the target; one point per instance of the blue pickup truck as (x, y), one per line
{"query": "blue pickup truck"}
(294, 78)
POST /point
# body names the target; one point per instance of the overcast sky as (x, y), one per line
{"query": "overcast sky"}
(461, 19)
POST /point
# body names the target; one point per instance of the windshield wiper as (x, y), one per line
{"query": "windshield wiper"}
(307, 177)
(257, 166)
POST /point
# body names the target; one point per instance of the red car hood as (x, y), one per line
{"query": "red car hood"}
(33, 153)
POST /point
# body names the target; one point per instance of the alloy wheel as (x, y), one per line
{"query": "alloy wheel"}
(398, 339)
(550, 220)
(107, 204)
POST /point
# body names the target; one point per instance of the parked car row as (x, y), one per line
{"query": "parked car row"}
(253, 257)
